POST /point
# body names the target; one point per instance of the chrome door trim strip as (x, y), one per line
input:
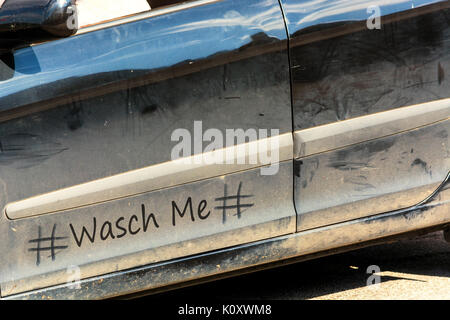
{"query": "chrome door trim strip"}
(152, 178)
(352, 131)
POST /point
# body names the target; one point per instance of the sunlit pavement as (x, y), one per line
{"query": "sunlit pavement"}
(417, 268)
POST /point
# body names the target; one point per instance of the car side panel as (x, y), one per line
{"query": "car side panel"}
(100, 108)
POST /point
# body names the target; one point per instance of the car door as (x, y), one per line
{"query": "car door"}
(140, 140)
(370, 103)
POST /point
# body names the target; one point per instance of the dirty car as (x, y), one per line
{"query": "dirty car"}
(185, 141)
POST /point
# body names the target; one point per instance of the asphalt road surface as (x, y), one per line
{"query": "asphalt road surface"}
(417, 268)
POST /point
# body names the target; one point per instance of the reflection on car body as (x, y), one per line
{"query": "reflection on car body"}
(136, 150)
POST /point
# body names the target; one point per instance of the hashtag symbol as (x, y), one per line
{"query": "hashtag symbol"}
(238, 206)
(52, 247)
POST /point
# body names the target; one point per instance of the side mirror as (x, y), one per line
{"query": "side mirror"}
(25, 21)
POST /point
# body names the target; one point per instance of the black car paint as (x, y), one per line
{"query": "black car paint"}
(101, 109)
(109, 99)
